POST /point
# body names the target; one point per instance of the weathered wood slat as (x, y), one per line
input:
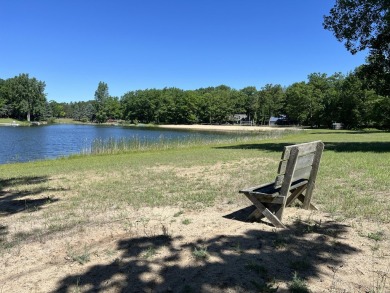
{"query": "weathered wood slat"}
(311, 206)
(304, 149)
(263, 186)
(266, 212)
(303, 161)
(271, 200)
(313, 175)
(296, 193)
(255, 215)
(268, 190)
(298, 174)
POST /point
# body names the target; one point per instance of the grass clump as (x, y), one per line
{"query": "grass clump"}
(150, 252)
(80, 257)
(200, 253)
(179, 213)
(376, 236)
(186, 222)
(298, 285)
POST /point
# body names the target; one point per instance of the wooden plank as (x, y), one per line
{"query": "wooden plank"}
(297, 192)
(266, 212)
(304, 149)
(288, 176)
(298, 183)
(301, 197)
(255, 215)
(280, 211)
(303, 161)
(313, 175)
(267, 199)
(303, 173)
(250, 189)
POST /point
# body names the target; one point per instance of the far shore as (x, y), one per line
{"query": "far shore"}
(227, 127)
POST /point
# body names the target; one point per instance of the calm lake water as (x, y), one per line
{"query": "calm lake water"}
(23, 144)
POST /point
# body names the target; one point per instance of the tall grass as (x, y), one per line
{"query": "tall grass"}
(136, 143)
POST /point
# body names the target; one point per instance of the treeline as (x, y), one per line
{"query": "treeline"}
(349, 99)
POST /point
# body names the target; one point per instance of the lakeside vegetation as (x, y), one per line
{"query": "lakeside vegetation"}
(319, 102)
(13, 121)
(63, 194)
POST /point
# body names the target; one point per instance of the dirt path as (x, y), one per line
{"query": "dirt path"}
(214, 250)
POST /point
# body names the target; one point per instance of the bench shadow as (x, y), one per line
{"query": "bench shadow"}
(13, 200)
(374, 147)
(247, 262)
(241, 215)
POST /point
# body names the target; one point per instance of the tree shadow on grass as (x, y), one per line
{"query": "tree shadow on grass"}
(241, 263)
(13, 200)
(347, 147)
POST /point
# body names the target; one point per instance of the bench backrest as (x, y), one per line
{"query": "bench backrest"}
(300, 161)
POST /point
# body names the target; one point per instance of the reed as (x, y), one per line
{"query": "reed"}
(136, 143)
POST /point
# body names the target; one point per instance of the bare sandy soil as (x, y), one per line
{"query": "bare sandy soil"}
(213, 250)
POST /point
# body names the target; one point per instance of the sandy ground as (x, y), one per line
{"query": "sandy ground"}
(226, 127)
(213, 250)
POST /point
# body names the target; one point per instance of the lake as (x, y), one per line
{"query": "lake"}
(23, 144)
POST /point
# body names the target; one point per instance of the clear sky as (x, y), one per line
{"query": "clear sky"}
(139, 44)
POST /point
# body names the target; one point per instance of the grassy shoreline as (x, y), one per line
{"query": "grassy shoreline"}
(353, 172)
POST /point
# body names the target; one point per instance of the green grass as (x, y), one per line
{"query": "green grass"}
(81, 257)
(186, 222)
(377, 236)
(10, 120)
(200, 253)
(298, 285)
(150, 252)
(353, 180)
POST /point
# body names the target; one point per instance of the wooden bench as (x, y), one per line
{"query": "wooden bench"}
(296, 177)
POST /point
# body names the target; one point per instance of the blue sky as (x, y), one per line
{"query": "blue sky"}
(139, 44)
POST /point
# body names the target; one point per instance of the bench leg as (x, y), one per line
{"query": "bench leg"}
(296, 193)
(266, 212)
(256, 214)
(301, 197)
(279, 213)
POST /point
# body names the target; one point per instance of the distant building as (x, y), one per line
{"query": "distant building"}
(272, 121)
(237, 118)
(276, 121)
(336, 125)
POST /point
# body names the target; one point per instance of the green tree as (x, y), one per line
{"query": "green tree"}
(247, 102)
(164, 107)
(140, 105)
(361, 24)
(101, 96)
(298, 103)
(220, 104)
(25, 96)
(365, 25)
(358, 105)
(4, 109)
(270, 102)
(57, 109)
(113, 108)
